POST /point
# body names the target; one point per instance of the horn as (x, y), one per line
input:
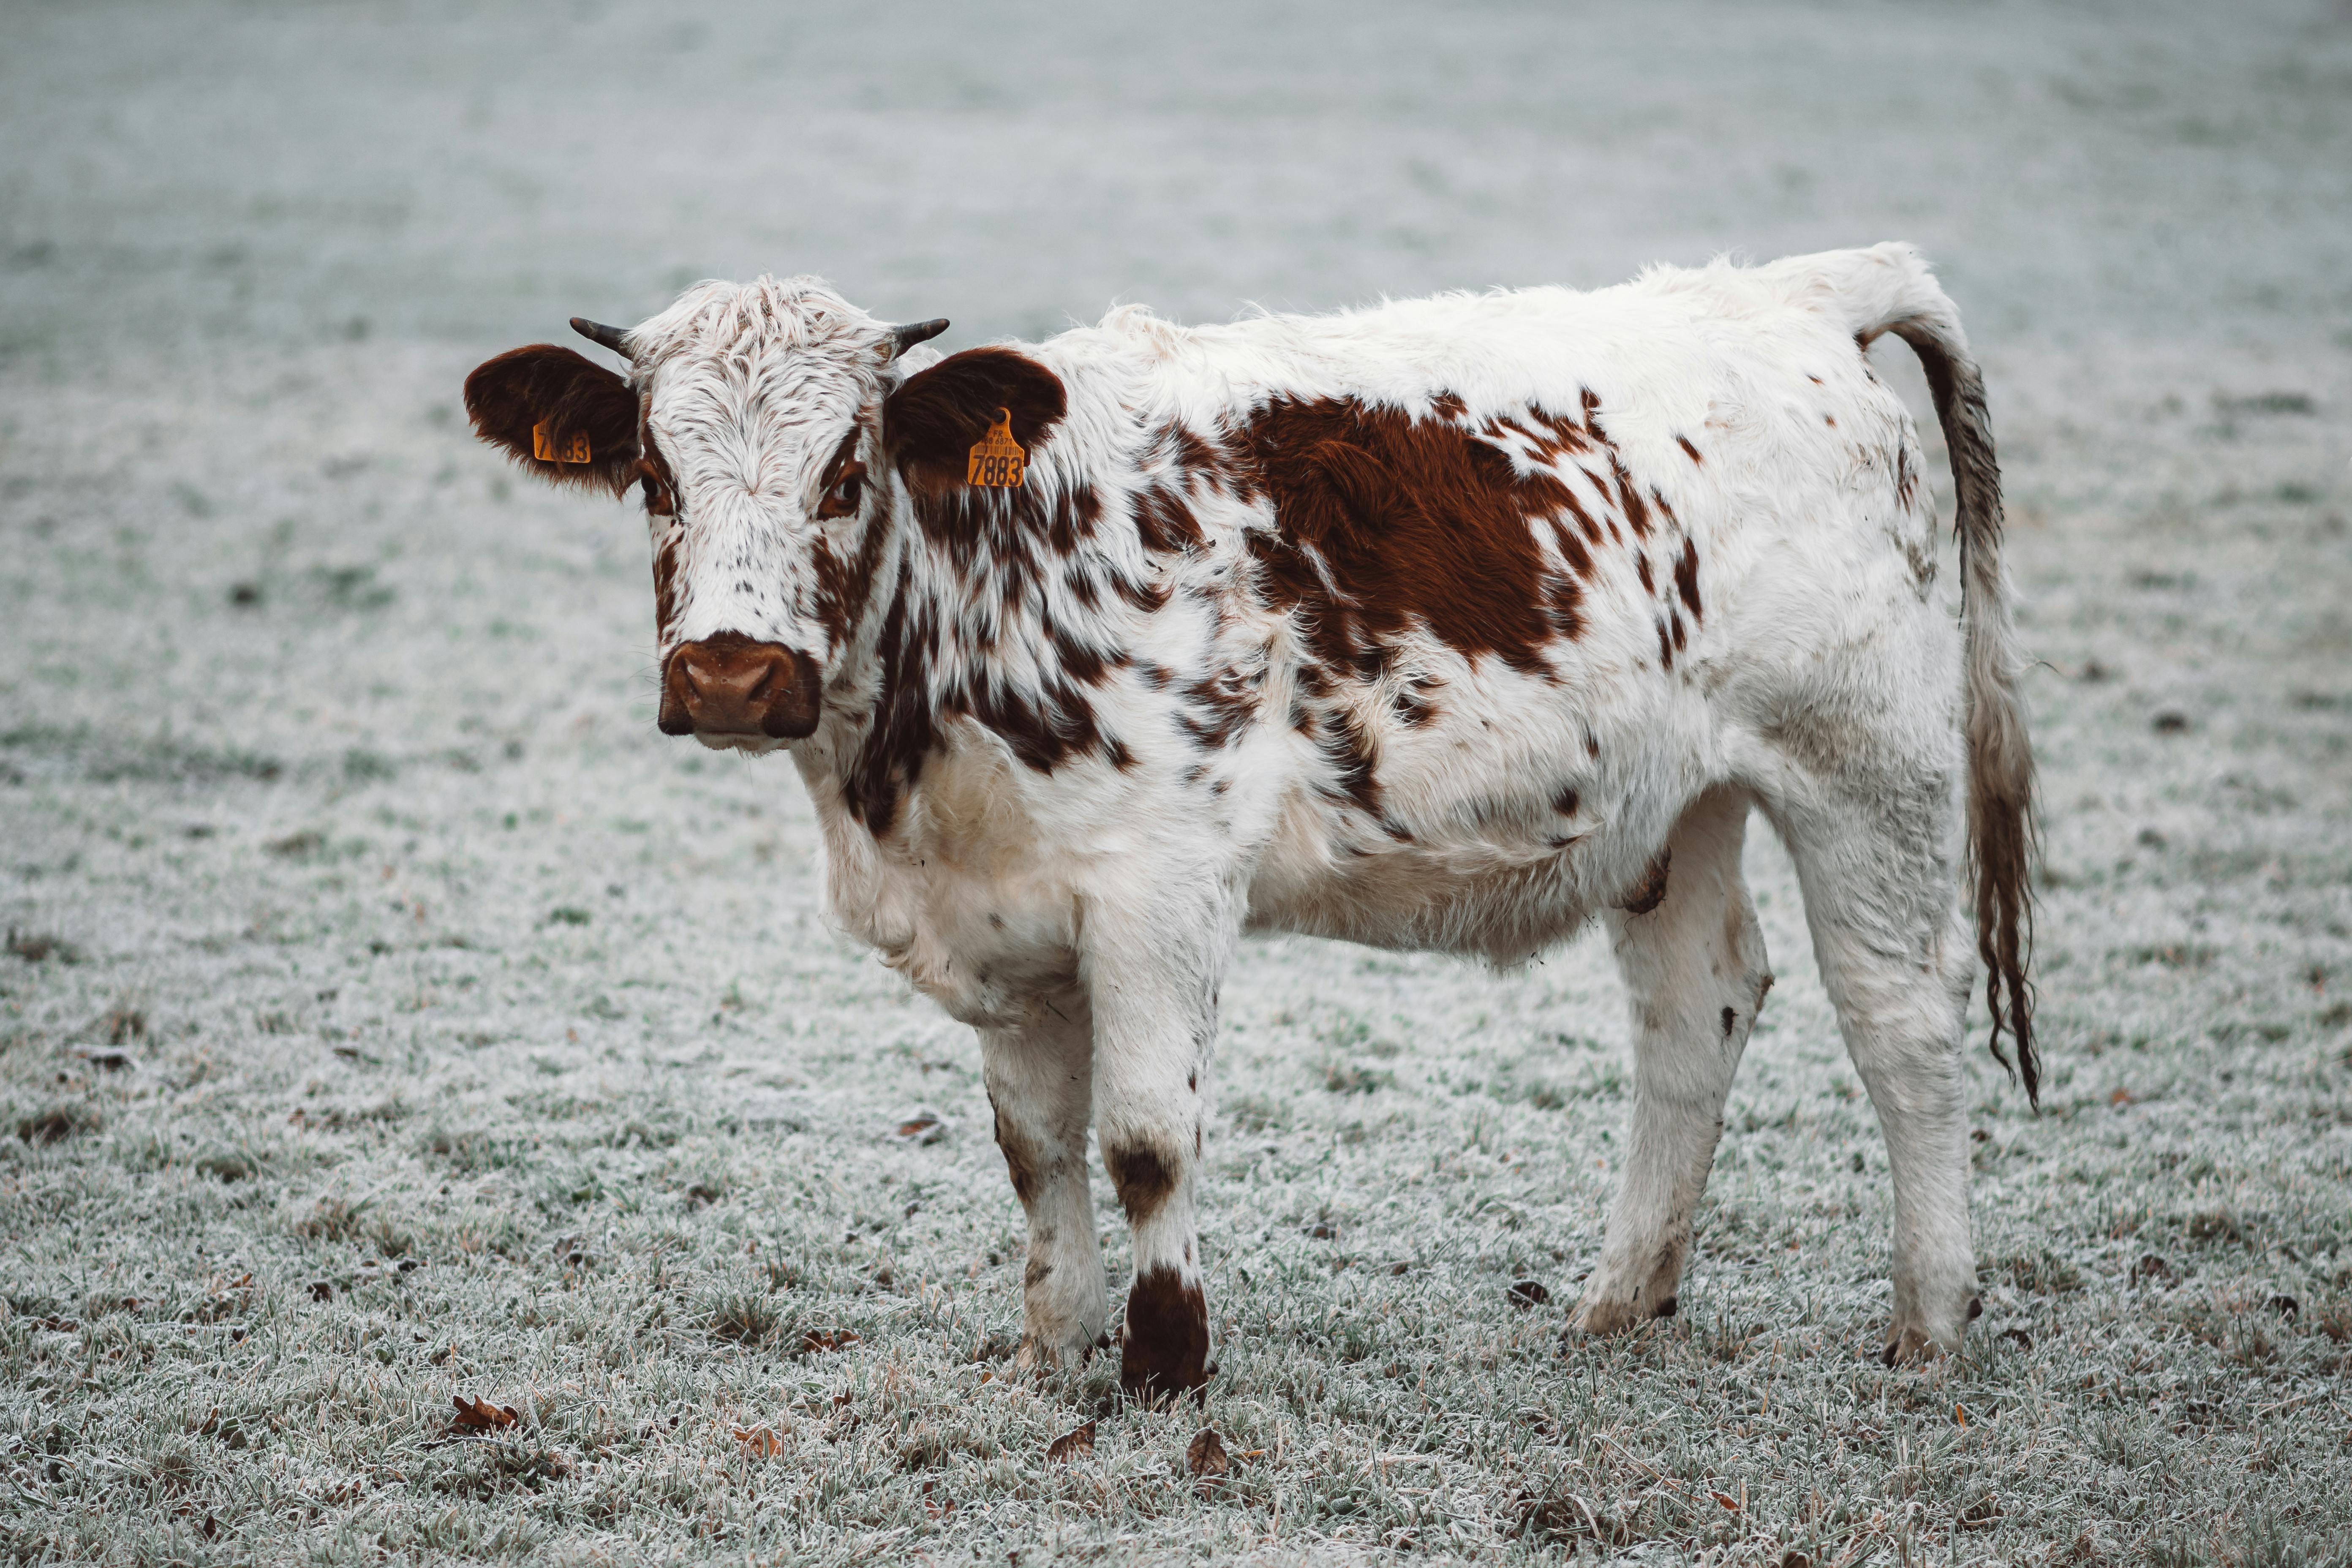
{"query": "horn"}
(906, 337)
(598, 333)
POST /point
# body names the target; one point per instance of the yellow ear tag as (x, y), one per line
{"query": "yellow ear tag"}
(574, 450)
(997, 460)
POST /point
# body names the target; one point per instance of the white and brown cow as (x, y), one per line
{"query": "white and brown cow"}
(1449, 624)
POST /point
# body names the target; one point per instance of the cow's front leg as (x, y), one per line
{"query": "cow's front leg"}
(1155, 1001)
(1040, 1082)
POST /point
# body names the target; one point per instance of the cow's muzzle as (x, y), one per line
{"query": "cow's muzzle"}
(730, 685)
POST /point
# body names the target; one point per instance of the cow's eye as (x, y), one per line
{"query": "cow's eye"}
(657, 498)
(847, 491)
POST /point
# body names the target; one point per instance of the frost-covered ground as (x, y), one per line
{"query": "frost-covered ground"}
(389, 1013)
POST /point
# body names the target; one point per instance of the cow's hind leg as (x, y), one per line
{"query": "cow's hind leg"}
(1695, 969)
(1872, 843)
(1041, 1085)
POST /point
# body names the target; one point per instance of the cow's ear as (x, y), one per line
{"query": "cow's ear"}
(564, 417)
(931, 423)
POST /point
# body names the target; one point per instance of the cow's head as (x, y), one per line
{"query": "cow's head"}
(772, 428)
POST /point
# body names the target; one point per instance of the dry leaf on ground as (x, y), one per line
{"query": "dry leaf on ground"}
(817, 1340)
(480, 1414)
(1206, 1459)
(924, 1126)
(760, 1442)
(1072, 1445)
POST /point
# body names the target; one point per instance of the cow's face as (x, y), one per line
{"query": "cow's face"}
(750, 423)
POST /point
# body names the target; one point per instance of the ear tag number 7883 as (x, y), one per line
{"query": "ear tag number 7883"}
(997, 460)
(572, 448)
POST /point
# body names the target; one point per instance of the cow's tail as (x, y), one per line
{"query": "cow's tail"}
(1888, 289)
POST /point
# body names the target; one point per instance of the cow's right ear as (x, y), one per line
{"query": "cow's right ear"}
(564, 417)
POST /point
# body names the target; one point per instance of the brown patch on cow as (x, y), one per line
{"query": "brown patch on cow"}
(1019, 1159)
(1665, 645)
(1163, 521)
(1830, 420)
(1217, 709)
(1566, 801)
(1650, 890)
(1142, 1178)
(544, 384)
(665, 584)
(1680, 636)
(1166, 1349)
(1036, 1273)
(844, 588)
(1629, 500)
(1641, 570)
(1730, 1021)
(1686, 578)
(1384, 523)
(1446, 406)
(1689, 450)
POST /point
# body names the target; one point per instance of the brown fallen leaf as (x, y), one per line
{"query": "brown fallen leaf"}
(1072, 1445)
(923, 1126)
(760, 1442)
(818, 1340)
(1731, 1503)
(1205, 1458)
(480, 1414)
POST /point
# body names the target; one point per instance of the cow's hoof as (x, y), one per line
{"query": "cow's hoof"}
(1040, 1354)
(1598, 1318)
(1908, 1344)
(1164, 1349)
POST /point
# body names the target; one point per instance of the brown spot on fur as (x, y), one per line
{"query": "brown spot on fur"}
(1689, 450)
(664, 586)
(1641, 570)
(1566, 801)
(1730, 1021)
(1166, 1349)
(1665, 645)
(1142, 1179)
(1650, 890)
(1020, 1160)
(1036, 1273)
(1687, 577)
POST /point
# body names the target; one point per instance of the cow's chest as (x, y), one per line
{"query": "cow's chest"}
(968, 894)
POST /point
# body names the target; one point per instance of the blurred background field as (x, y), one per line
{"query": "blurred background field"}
(388, 1013)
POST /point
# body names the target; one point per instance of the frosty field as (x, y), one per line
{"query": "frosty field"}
(388, 1014)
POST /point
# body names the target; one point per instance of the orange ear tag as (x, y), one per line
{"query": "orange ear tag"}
(997, 460)
(574, 450)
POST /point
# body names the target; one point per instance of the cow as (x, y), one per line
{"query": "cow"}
(1449, 624)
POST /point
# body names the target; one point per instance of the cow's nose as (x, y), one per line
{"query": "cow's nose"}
(730, 685)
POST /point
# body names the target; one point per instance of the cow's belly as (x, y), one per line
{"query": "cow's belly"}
(1495, 905)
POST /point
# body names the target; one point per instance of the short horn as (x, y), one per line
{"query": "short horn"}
(598, 333)
(913, 333)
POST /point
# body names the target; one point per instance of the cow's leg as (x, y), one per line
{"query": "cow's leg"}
(1154, 980)
(1695, 969)
(1040, 1083)
(1875, 854)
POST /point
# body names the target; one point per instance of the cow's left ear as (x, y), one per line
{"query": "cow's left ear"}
(931, 423)
(564, 417)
